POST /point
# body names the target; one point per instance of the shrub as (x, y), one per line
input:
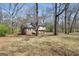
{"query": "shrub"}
(17, 30)
(49, 28)
(4, 29)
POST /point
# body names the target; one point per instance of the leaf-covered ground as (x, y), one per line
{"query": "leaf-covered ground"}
(47, 45)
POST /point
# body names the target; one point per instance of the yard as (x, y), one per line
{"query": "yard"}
(43, 45)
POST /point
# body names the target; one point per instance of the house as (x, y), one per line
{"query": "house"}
(29, 29)
(41, 28)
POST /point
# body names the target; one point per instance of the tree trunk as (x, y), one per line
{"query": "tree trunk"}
(12, 30)
(55, 24)
(62, 27)
(65, 21)
(74, 19)
(12, 27)
(36, 19)
(69, 24)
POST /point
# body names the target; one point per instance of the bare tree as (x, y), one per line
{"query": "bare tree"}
(74, 19)
(12, 12)
(66, 7)
(55, 24)
(43, 15)
(56, 15)
(1, 15)
(36, 18)
(69, 19)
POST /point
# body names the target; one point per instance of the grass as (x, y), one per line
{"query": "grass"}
(67, 45)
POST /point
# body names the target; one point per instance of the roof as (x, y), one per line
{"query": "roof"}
(41, 24)
(28, 26)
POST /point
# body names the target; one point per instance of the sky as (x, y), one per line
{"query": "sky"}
(26, 5)
(6, 5)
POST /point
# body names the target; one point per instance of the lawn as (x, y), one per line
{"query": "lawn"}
(44, 45)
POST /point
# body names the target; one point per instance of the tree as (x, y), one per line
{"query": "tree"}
(43, 15)
(69, 19)
(66, 7)
(74, 19)
(12, 12)
(1, 15)
(56, 15)
(36, 18)
(55, 24)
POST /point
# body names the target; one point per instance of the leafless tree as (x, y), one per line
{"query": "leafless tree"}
(56, 15)
(74, 19)
(36, 18)
(69, 19)
(1, 15)
(12, 11)
(55, 24)
(66, 7)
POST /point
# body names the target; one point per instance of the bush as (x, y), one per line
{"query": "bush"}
(49, 28)
(17, 30)
(4, 29)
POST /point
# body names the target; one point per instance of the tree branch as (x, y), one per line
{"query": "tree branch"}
(66, 7)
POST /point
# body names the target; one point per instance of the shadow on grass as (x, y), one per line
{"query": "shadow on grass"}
(3, 54)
